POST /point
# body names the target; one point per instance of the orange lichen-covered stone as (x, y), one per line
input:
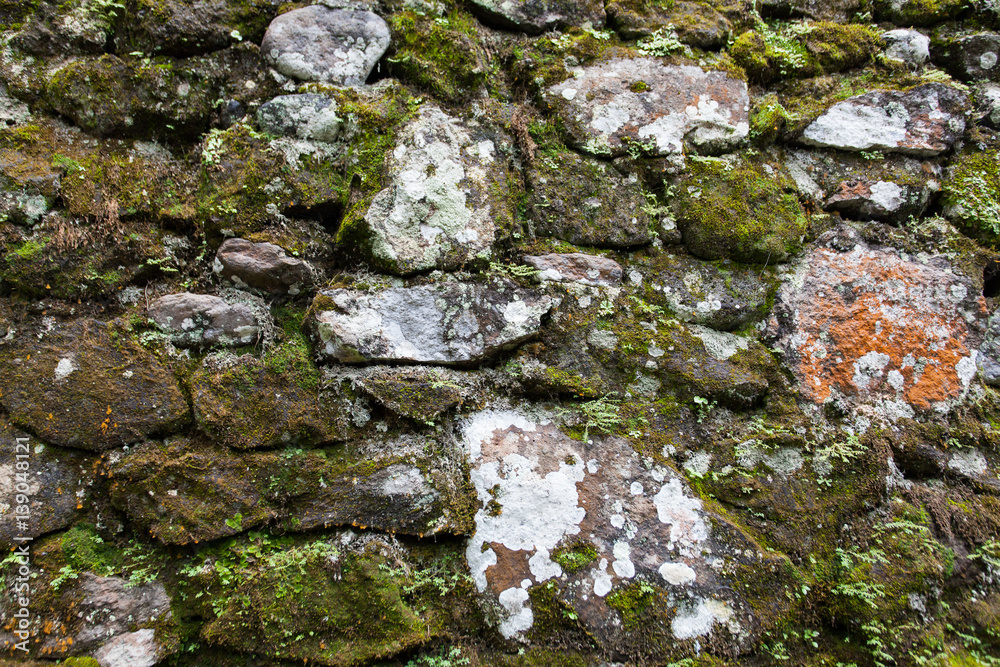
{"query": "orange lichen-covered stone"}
(875, 323)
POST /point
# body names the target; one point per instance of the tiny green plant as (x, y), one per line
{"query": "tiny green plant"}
(703, 407)
(601, 414)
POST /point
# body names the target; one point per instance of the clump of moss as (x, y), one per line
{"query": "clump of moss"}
(923, 12)
(743, 210)
(576, 556)
(972, 195)
(545, 62)
(440, 55)
(804, 49)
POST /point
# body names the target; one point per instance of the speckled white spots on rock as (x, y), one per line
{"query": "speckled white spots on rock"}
(438, 210)
(922, 121)
(696, 619)
(317, 43)
(680, 106)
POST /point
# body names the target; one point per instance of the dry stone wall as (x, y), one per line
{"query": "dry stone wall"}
(499, 332)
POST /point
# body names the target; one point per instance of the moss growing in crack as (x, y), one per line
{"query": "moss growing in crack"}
(575, 556)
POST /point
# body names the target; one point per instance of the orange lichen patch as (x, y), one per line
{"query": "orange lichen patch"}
(871, 323)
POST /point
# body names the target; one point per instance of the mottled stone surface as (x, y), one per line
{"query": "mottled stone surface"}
(446, 323)
(132, 649)
(79, 386)
(263, 266)
(542, 494)
(910, 47)
(694, 23)
(203, 320)
(576, 267)
(874, 325)
(317, 43)
(440, 209)
(535, 16)
(308, 117)
(969, 57)
(926, 120)
(659, 109)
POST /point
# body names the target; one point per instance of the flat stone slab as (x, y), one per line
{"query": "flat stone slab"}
(316, 43)
(203, 320)
(868, 324)
(81, 387)
(440, 209)
(576, 267)
(589, 521)
(307, 116)
(261, 265)
(661, 109)
(446, 323)
(536, 16)
(924, 121)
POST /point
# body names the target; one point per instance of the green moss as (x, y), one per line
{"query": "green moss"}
(921, 12)
(440, 55)
(804, 49)
(28, 250)
(575, 556)
(745, 210)
(13, 13)
(972, 195)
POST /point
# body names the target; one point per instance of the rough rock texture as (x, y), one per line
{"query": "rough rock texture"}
(577, 268)
(535, 16)
(164, 488)
(202, 320)
(119, 393)
(442, 207)
(695, 23)
(261, 265)
(446, 323)
(924, 121)
(545, 498)
(988, 95)
(132, 649)
(894, 189)
(418, 393)
(583, 200)
(910, 47)
(317, 43)
(722, 295)
(309, 117)
(658, 110)
(989, 352)
(57, 487)
(970, 57)
(870, 324)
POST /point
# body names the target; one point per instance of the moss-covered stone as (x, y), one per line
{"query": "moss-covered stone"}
(440, 55)
(920, 12)
(587, 202)
(972, 195)
(745, 210)
(804, 50)
(83, 385)
(695, 23)
(316, 603)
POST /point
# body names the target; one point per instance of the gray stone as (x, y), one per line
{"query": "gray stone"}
(58, 480)
(112, 604)
(988, 98)
(541, 492)
(577, 268)
(926, 120)
(721, 295)
(910, 47)
(445, 323)
(818, 10)
(989, 352)
(678, 106)
(132, 649)
(309, 117)
(536, 16)
(263, 266)
(316, 43)
(969, 57)
(440, 210)
(891, 189)
(202, 320)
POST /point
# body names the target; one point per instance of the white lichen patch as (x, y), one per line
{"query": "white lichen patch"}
(696, 619)
(970, 462)
(64, 368)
